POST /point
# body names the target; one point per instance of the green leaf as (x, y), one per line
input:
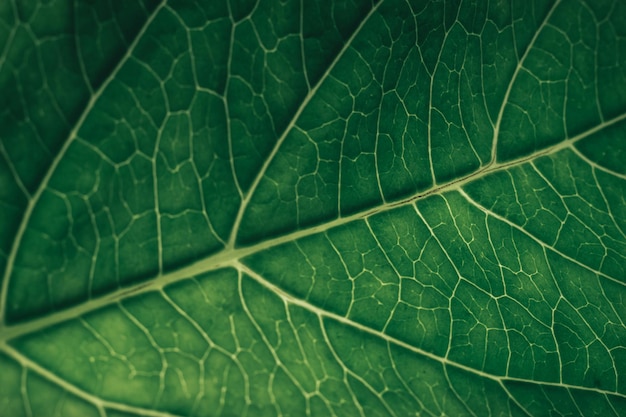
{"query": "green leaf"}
(366, 208)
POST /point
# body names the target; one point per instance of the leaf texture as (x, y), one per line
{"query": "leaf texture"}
(313, 208)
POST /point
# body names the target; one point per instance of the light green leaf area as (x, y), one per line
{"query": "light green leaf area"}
(314, 208)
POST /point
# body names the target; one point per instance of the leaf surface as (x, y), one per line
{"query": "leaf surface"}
(313, 208)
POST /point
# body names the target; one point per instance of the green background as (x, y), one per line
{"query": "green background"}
(314, 208)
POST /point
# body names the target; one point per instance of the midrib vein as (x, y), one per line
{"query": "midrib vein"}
(231, 257)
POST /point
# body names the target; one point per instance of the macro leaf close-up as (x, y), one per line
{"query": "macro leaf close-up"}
(312, 208)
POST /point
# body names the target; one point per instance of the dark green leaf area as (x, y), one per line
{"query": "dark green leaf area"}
(315, 208)
(496, 313)
(566, 212)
